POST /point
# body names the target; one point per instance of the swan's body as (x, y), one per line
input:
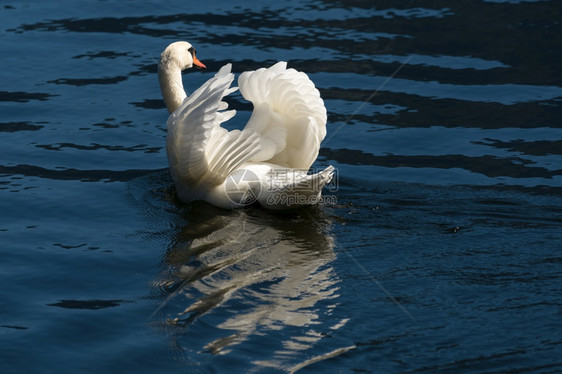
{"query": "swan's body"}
(267, 161)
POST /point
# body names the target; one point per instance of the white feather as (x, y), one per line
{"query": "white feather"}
(288, 114)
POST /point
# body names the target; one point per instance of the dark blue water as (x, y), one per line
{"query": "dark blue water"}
(439, 250)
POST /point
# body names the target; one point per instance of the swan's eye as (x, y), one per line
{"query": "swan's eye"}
(192, 51)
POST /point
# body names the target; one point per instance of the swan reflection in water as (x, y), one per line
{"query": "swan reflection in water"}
(246, 274)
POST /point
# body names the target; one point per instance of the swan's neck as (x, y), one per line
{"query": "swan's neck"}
(169, 75)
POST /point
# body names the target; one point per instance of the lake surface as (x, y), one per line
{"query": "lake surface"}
(439, 250)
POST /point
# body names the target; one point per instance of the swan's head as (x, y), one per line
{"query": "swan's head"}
(176, 57)
(182, 55)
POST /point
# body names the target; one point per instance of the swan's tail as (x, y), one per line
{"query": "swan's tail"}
(303, 189)
(314, 183)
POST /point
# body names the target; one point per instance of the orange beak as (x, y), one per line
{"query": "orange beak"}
(198, 64)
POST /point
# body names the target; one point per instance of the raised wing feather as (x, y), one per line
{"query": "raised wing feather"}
(200, 152)
(288, 114)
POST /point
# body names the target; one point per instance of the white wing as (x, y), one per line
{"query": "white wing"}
(200, 151)
(288, 114)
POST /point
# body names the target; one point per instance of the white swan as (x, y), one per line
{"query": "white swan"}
(268, 160)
